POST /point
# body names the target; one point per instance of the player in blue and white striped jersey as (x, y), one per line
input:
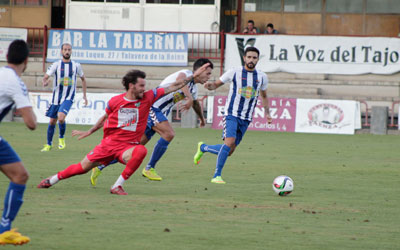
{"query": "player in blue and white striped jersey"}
(158, 122)
(13, 92)
(65, 72)
(247, 84)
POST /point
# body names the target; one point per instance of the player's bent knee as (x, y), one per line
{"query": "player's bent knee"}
(139, 152)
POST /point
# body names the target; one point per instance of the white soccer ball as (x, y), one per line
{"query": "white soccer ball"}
(283, 185)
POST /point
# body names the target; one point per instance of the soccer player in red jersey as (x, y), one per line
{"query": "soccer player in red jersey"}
(123, 124)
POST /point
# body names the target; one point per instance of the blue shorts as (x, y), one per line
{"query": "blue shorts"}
(155, 116)
(7, 154)
(234, 127)
(54, 109)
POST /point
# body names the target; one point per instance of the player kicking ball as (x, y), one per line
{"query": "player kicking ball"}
(123, 124)
(247, 84)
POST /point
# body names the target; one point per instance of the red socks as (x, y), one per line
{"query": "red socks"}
(72, 170)
(138, 154)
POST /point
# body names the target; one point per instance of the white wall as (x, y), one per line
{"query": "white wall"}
(140, 16)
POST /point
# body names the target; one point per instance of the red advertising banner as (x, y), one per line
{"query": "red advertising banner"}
(283, 112)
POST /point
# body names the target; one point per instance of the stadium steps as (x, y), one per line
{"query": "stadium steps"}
(379, 90)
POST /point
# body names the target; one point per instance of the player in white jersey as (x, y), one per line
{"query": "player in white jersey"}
(247, 84)
(65, 72)
(13, 92)
(158, 122)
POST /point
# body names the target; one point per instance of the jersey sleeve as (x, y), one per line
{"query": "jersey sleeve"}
(264, 83)
(52, 69)
(158, 93)
(79, 70)
(19, 94)
(110, 106)
(227, 76)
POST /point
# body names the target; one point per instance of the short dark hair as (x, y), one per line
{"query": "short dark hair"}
(200, 62)
(270, 25)
(254, 49)
(18, 51)
(131, 77)
(250, 21)
(62, 45)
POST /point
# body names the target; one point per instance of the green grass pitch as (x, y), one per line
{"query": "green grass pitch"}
(346, 194)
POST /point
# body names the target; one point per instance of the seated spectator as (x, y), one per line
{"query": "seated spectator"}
(250, 29)
(270, 29)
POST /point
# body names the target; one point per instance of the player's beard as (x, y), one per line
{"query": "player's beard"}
(250, 65)
(67, 56)
(139, 95)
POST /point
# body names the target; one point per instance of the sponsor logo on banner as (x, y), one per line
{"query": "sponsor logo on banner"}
(282, 110)
(78, 113)
(121, 47)
(327, 116)
(317, 54)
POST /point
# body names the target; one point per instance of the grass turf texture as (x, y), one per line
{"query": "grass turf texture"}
(345, 196)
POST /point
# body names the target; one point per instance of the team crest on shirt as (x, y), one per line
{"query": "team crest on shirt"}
(66, 81)
(247, 92)
(137, 105)
(178, 97)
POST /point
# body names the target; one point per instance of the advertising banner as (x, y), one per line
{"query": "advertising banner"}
(120, 47)
(7, 35)
(282, 110)
(327, 116)
(79, 114)
(317, 54)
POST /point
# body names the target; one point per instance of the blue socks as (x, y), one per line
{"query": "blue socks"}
(211, 148)
(50, 133)
(62, 127)
(158, 151)
(221, 159)
(12, 203)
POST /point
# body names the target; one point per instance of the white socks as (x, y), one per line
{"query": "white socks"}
(119, 182)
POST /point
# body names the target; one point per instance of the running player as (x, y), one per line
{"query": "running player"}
(158, 121)
(13, 91)
(124, 124)
(247, 84)
(65, 72)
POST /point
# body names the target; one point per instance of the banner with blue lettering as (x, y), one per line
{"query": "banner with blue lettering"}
(120, 47)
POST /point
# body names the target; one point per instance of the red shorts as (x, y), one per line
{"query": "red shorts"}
(108, 150)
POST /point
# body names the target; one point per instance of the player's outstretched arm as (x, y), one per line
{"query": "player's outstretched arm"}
(213, 85)
(182, 82)
(83, 134)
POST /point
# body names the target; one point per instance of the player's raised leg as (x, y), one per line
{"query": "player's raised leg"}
(203, 148)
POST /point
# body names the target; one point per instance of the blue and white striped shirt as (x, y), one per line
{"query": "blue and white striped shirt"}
(243, 92)
(166, 102)
(12, 91)
(64, 83)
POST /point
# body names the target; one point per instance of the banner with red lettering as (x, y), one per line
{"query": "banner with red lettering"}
(282, 110)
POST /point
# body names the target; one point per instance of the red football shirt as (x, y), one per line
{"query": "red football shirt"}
(127, 119)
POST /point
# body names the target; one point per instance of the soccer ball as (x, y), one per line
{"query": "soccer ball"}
(283, 185)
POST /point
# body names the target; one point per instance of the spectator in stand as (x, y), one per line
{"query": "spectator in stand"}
(270, 29)
(250, 29)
